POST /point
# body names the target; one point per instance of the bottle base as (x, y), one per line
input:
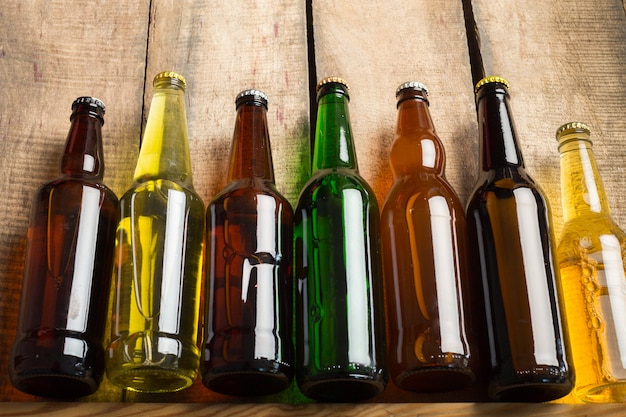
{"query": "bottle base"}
(151, 379)
(43, 367)
(344, 387)
(47, 384)
(531, 391)
(435, 379)
(609, 392)
(246, 382)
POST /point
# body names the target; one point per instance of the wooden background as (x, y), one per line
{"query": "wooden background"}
(565, 61)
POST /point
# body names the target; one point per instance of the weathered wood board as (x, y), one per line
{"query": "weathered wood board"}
(565, 61)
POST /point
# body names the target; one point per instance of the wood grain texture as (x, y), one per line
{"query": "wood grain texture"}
(223, 48)
(311, 410)
(50, 53)
(565, 60)
(376, 46)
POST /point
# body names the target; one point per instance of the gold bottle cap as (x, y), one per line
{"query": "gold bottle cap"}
(257, 95)
(489, 80)
(329, 80)
(572, 127)
(171, 76)
(412, 85)
(91, 101)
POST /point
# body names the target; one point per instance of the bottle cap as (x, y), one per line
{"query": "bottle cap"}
(258, 96)
(172, 77)
(91, 101)
(329, 80)
(412, 85)
(489, 80)
(572, 127)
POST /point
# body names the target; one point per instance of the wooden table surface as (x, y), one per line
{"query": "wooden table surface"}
(565, 61)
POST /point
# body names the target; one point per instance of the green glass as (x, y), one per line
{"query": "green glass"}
(159, 249)
(340, 334)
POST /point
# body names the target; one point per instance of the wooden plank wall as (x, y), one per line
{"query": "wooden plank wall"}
(565, 60)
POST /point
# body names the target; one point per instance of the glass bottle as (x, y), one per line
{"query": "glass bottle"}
(340, 334)
(591, 253)
(509, 229)
(158, 264)
(58, 349)
(249, 290)
(423, 234)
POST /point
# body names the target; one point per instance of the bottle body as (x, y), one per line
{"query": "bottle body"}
(423, 232)
(58, 351)
(340, 334)
(248, 348)
(159, 253)
(510, 231)
(591, 253)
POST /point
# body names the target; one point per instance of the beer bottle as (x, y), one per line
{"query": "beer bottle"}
(591, 253)
(158, 264)
(509, 227)
(340, 334)
(423, 233)
(248, 294)
(59, 350)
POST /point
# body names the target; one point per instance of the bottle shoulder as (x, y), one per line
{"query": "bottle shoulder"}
(163, 188)
(71, 185)
(248, 191)
(415, 190)
(335, 181)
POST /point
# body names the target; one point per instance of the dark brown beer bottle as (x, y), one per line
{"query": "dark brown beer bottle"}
(248, 348)
(423, 234)
(58, 350)
(509, 228)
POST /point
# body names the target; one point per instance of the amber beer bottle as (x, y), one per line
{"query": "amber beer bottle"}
(340, 334)
(158, 265)
(59, 350)
(249, 290)
(591, 253)
(509, 226)
(423, 233)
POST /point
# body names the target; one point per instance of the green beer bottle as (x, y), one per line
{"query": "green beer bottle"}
(340, 334)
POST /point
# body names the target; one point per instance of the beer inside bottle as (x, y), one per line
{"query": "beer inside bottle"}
(509, 228)
(424, 237)
(58, 351)
(339, 324)
(158, 256)
(249, 291)
(591, 254)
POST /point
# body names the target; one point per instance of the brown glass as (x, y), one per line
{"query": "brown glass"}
(248, 348)
(58, 351)
(513, 264)
(423, 234)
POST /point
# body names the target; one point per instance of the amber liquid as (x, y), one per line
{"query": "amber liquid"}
(248, 346)
(59, 346)
(594, 288)
(157, 288)
(424, 247)
(508, 221)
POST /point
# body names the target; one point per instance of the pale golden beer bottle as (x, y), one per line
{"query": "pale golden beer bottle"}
(591, 253)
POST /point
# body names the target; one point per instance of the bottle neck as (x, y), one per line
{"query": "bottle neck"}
(581, 185)
(83, 147)
(334, 147)
(498, 140)
(164, 152)
(251, 154)
(416, 147)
